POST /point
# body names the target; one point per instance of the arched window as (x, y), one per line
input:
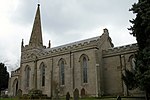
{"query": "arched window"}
(84, 70)
(62, 71)
(27, 75)
(84, 67)
(42, 70)
(132, 62)
(15, 87)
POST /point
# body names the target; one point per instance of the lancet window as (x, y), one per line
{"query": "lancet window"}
(42, 70)
(84, 71)
(27, 75)
(84, 68)
(62, 71)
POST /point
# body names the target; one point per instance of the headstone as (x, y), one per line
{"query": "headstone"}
(67, 96)
(19, 93)
(82, 92)
(119, 98)
(76, 94)
(56, 94)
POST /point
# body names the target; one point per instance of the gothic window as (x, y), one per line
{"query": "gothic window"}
(62, 71)
(84, 70)
(15, 87)
(27, 76)
(132, 62)
(42, 69)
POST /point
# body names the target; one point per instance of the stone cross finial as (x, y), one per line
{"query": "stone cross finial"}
(22, 43)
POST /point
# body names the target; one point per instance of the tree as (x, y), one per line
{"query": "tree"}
(129, 79)
(4, 77)
(141, 24)
(143, 70)
(141, 30)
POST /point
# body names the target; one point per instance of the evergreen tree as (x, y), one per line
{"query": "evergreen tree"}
(4, 77)
(141, 30)
(141, 24)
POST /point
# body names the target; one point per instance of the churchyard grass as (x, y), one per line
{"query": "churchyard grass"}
(8, 99)
(79, 99)
(63, 99)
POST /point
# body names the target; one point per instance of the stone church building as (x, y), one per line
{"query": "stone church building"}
(92, 66)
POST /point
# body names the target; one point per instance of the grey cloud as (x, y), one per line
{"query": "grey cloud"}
(61, 16)
(66, 21)
(24, 12)
(84, 14)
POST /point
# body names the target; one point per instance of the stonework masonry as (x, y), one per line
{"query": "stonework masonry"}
(93, 66)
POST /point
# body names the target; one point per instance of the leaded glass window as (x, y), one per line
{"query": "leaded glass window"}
(27, 76)
(84, 70)
(42, 74)
(62, 73)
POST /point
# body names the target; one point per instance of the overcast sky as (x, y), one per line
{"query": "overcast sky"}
(63, 21)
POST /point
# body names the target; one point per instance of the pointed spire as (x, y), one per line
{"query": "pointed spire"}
(36, 35)
(49, 44)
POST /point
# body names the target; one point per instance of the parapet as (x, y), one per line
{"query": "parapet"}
(47, 52)
(15, 72)
(29, 53)
(121, 49)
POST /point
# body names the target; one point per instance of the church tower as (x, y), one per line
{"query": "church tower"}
(29, 54)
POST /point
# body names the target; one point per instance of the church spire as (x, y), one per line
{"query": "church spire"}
(36, 35)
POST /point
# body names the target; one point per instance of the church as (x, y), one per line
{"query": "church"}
(93, 67)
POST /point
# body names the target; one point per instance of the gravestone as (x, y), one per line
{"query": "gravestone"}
(67, 96)
(82, 92)
(76, 94)
(19, 93)
(56, 94)
(119, 98)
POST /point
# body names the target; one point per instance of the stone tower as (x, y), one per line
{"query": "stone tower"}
(32, 49)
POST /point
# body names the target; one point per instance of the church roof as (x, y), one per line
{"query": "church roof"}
(74, 43)
(81, 42)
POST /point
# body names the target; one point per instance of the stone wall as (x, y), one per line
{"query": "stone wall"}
(115, 61)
